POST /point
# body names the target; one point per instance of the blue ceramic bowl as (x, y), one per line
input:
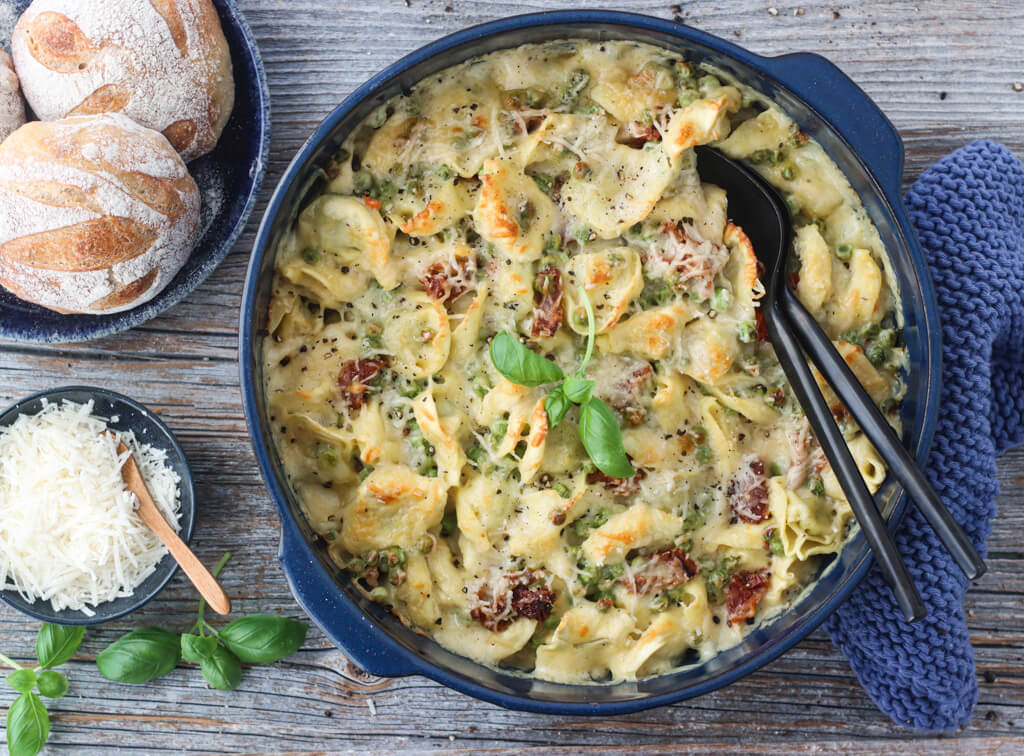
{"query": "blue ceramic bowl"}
(829, 107)
(148, 429)
(229, 179)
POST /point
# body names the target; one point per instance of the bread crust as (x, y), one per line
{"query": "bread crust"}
(12, 107)
(169, 69)
(97, 213)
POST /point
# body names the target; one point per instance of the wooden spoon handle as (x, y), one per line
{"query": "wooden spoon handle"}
(149, 513)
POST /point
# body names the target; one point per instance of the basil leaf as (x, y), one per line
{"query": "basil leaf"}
(602, 438)
(222, 669)
(556, 404)
(578, 389)
(195, 648)
(263, 638)
(52, 684)
(55, 644)
(28, 725)
(23, 680)
(521, 365)
(140, 656)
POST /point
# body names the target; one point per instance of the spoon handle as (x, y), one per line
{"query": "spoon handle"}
(871, 420)
(794, 364)
(196, 571)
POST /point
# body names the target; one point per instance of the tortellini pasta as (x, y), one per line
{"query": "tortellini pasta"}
(546, 192)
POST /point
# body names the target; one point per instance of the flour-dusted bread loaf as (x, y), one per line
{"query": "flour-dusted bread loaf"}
(163, 63)
(97, 213)
(12, 109)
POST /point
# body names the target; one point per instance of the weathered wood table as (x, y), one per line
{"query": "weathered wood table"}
(945, 74)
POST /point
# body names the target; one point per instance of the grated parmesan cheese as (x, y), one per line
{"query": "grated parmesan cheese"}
(69, 533)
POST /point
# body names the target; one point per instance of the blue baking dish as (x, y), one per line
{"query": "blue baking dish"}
(829, 107)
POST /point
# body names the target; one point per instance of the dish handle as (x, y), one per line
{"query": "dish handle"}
(338, 618)
(822, 85)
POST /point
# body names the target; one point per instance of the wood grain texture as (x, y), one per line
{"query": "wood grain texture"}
(943, 73)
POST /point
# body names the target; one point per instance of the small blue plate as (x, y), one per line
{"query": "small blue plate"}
(148, 429)
(229, 179)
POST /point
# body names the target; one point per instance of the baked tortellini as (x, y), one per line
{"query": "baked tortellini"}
(551, 192)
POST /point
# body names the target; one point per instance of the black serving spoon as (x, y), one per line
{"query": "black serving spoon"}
(764, 217)
(870, 419)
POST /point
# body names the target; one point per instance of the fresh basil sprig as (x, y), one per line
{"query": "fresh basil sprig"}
(599, 429)
(151, 652)
(28, 722)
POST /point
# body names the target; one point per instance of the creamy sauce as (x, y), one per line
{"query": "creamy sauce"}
(481, 202)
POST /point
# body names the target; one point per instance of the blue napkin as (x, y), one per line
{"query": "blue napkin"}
(968, 211)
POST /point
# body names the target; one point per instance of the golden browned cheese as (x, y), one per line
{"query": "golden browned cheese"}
(170, 69)
(97, 213)
(12, 108)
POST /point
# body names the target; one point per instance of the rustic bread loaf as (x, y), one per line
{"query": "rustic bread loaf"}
(97, 213)
(12, 109)
(163, 63)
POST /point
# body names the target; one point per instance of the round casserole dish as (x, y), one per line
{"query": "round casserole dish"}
(829, 107)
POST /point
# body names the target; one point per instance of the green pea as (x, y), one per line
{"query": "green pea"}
(614, 571)
(545, 182)
(475, 454)
(327, 458)
(379, 594)
(788, 172)
(377, 117)
(686, 97)
(562, 490)
(311, 255)
(412, 389)
(578, 81)
(425, 545)
(886, 338)
(876, 354)
(363, 182)
(775, 544)
(721, 299)
(480, 385)
(843, 251)
(747, 331)
(331, 535)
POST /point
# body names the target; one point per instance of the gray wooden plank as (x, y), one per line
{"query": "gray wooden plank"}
(944, 76)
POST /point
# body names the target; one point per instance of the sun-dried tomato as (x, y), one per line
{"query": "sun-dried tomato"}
(745, 590)
(354, 379)
(547, 300)
(748, 491)
(663, 572)
(762, 327)
(533, 603)
(626, 395)
(512, 595)
(618, 486)
(446, 280)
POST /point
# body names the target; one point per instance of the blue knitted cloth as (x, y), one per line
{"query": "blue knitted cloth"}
(968, 211)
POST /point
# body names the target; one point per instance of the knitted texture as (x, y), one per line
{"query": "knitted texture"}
(968, 211)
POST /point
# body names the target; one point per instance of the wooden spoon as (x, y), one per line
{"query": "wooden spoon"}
(201, 578)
